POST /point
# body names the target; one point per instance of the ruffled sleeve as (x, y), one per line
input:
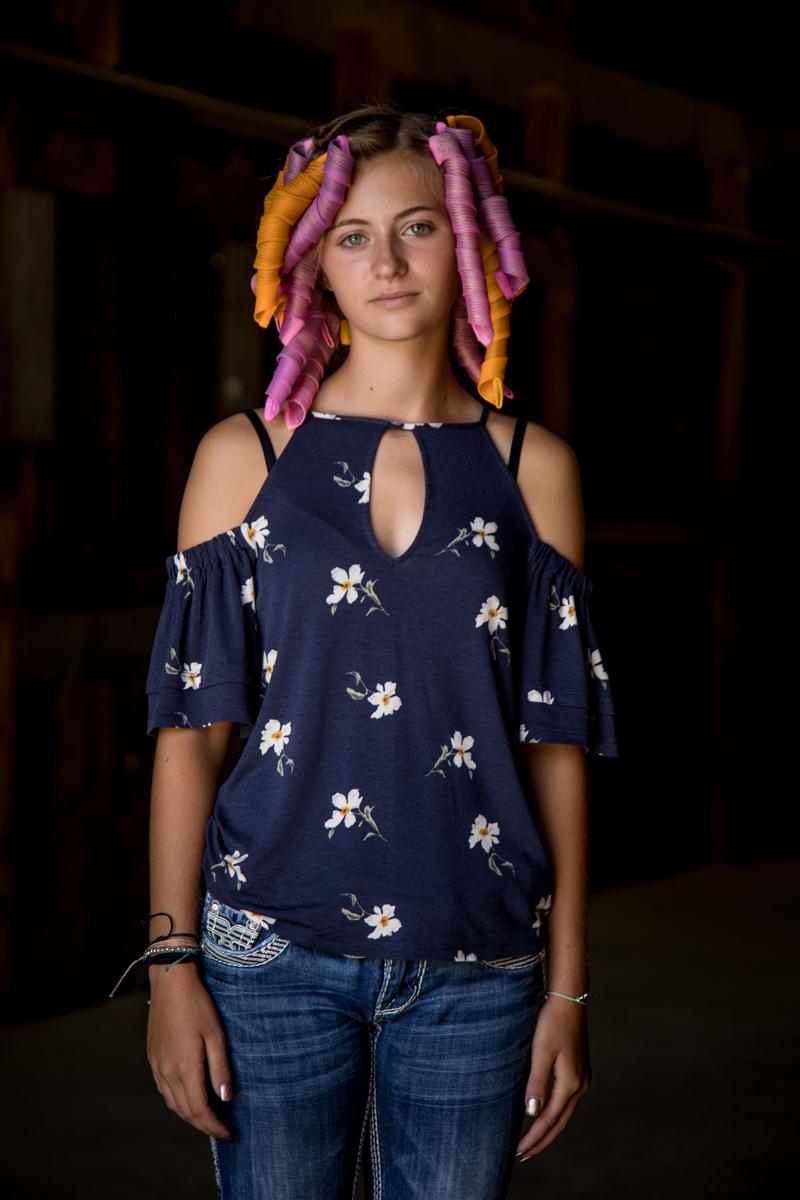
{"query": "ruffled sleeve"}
(205, 661)
(564, 687)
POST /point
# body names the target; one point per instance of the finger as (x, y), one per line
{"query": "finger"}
(219, 1068)
(199, 1111)
(554, 1131)
(539, 1079)
(167, 1094)
(564, 1089)
(180, 1100)
(537, 1086)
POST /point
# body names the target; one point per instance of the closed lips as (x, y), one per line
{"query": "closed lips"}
(394, 295)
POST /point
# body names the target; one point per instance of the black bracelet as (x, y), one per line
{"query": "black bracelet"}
(163, 954)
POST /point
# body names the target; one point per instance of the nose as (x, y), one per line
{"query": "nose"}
(388, 259)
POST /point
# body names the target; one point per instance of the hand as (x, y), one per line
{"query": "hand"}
(560, 1044)
(183, 1031)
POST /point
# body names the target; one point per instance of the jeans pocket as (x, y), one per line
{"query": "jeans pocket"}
(238, 937)
(520, 962)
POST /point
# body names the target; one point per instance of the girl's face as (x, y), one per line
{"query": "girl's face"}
(392, 234)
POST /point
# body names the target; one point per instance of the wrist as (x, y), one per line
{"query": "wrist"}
(576, 1000)
(157, 971)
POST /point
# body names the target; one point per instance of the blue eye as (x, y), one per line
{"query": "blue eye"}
(353, 246)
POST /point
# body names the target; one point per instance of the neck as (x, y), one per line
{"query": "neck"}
(391, 385)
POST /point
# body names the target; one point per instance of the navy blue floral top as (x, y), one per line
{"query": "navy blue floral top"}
(380, 806)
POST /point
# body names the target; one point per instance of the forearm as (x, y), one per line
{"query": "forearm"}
(186, 772)
(559, 792)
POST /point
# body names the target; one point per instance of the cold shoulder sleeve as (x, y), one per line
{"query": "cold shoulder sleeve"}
(204, 664)
(564, 687)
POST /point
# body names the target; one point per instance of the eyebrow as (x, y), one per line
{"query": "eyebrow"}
(406, 212)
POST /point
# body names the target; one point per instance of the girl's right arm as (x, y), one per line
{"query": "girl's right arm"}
(184, 1029)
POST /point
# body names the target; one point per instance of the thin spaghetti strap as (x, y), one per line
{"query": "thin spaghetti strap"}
(484, 414)
(516, 445)
(266, 444)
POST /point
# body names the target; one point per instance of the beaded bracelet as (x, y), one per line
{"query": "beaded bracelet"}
(582, 999)
(166, 954)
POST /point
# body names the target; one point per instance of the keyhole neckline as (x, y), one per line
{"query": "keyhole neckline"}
(402, 424)
(391, 559)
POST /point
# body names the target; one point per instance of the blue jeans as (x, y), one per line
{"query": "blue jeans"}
(424, 1061)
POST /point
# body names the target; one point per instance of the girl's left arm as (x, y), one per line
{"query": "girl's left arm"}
(550, 485)
(559, 793)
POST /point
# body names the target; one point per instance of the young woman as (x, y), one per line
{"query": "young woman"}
(396, 617)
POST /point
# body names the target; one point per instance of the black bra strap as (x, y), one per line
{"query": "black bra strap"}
(484, 414)
(516, 445)
(266, 444)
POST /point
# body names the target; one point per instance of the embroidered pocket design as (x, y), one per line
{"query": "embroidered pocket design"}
(238, 937)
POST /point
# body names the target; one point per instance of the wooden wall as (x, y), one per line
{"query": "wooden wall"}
(136, 145)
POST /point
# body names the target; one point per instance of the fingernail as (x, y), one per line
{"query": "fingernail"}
(225, 1091)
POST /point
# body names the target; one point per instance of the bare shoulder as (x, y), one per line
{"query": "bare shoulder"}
(549, 482)
(227, 473)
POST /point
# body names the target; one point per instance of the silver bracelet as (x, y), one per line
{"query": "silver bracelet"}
(582, 999)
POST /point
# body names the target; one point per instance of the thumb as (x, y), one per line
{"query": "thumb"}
(219, 1069)
(537, 1085)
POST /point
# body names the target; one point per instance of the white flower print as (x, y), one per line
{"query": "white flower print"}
(484, 531)
(462, 957)
(231, 863)
(523, 735)
(348, 810)
(255, 533)
(542, 910)
(348, 583)
(568, 612)
(414, 424)
(596, 667)
(461, 749)
(350, 480)
(493, 613)
(382, 917)
(456, 753)
(487, 834)
(480, 533)
(191, 675)
(268, 665)
(363, 487)
(183, 572)
(384, 697)
(274, 736)
(385, 700)
(344, 808)
(248, 593)
(541, 697)
(384, 920)
(259, 919)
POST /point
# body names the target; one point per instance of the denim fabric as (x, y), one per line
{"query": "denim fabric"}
(413, 1071)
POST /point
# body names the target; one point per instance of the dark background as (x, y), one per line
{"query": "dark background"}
(651, 157)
